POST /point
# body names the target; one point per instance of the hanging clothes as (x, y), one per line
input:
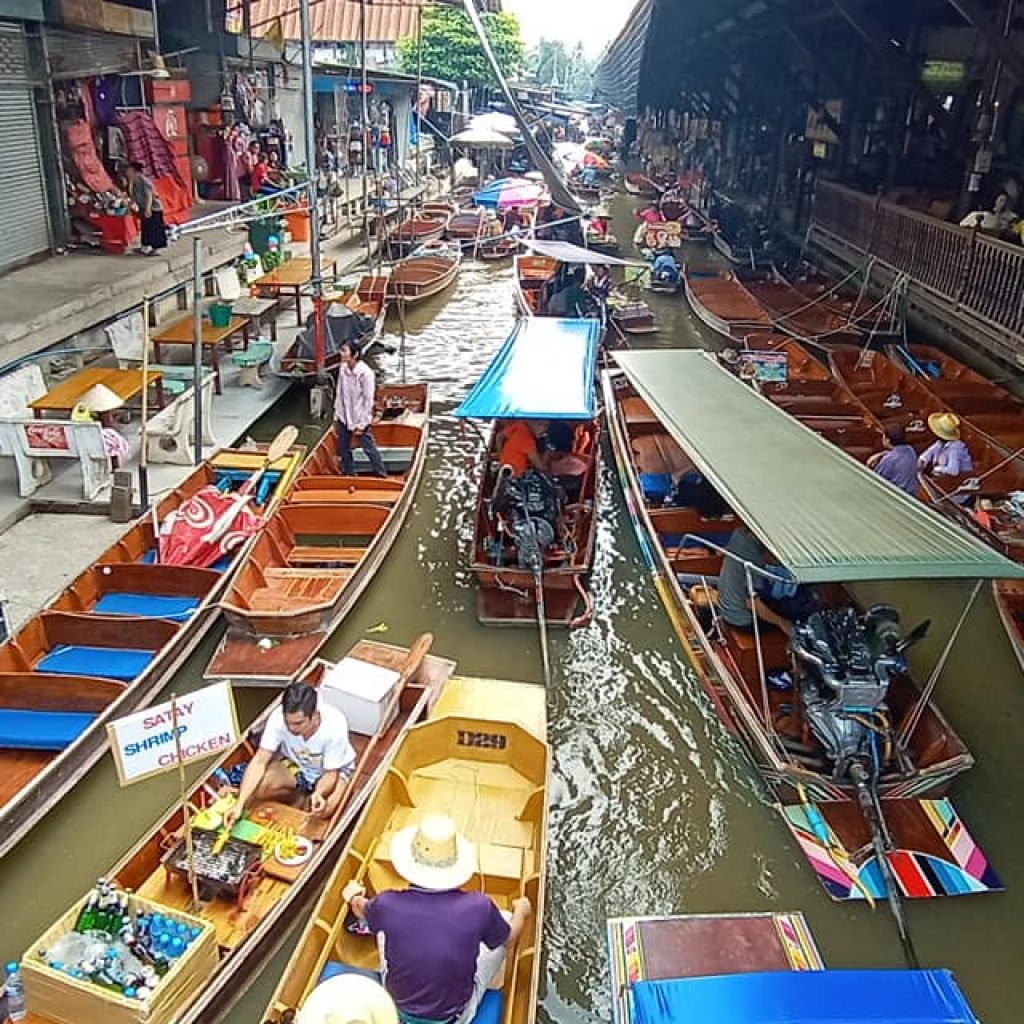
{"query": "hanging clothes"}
(147, 146)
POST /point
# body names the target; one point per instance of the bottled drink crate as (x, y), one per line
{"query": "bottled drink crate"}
(66, 1000)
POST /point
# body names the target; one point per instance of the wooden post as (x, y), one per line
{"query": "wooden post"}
(185, 819)
(144, 434)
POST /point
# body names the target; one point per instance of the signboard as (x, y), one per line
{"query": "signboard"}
(46, 437)
(145, 743)
(768, 367)
(664, 235)
(943, 75)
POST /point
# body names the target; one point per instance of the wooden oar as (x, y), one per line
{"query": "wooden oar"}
(277, 449)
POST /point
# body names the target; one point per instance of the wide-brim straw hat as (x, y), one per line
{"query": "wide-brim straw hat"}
(99, 398)
(945, 425)
(348, 999)
(432, 854)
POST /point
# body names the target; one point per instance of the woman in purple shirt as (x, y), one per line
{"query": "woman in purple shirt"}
(898, 463)
(441, 947)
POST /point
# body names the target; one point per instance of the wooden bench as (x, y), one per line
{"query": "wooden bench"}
(169, 434)
(744, 648)
(33, 443)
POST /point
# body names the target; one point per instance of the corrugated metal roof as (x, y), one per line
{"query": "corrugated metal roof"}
(337, 21)
(617, 75)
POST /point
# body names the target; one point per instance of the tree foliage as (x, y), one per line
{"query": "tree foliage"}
(450, 48)
(552, 63)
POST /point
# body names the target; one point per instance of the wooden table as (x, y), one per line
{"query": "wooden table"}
(126, 384)
(292, 276)
(182, 332)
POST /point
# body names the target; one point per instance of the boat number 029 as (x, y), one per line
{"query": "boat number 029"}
(494, 740)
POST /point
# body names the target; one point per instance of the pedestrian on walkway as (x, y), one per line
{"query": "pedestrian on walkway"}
(353, 410)
(151, 210)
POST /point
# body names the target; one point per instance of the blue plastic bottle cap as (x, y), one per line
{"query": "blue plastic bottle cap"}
(57, 965)
(130, 993)
(12, 967)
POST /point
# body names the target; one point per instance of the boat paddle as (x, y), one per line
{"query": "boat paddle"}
(277, 449)
(867, 797)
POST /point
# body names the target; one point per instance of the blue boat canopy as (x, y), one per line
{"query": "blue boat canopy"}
(543, 371)
(804, 997)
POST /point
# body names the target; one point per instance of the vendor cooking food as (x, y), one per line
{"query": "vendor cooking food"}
(304, 756)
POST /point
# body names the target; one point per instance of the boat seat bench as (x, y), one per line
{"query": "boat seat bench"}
(149, 606)
(41, 730)
(315, 554)
(125, 664)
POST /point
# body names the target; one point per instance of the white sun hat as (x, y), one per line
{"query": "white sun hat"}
(348, 999)
(432, 854)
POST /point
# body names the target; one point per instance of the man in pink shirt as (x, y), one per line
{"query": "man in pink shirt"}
(353, 410)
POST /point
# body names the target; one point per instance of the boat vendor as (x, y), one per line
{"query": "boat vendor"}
(353, 410)
(441, 947)
(948, 455)
(600, 284)
(775, 602)
(897, 462)
(573, 300)
(665, 268)
(348, 999)
(519, 446)
(304, 755)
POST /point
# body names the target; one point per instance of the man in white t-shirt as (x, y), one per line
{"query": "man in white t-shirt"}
(304, 753)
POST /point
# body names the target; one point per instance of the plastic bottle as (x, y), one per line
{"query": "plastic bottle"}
(15, 992)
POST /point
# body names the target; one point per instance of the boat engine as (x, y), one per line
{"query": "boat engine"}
(845, 662)
(530, 506)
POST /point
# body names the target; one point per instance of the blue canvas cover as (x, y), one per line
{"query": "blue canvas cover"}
(543, 371)
(805, 997)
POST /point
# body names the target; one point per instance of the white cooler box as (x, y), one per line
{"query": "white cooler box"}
(361, 691)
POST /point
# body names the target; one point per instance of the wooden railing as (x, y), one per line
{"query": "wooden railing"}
(967, 273)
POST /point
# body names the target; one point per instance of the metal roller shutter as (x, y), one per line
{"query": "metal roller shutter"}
(25, 222)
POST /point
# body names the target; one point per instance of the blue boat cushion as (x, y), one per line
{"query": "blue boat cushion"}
(150, 606)
(489, 1011)
(41, 730)
(222, 563)
(656, 486)
(125, 664)
(811, 997)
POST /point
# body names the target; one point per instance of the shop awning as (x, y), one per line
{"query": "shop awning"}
(823, 514)
(810, 997)
(543, 371)
(566, 252)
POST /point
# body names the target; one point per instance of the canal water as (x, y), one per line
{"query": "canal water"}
(654, 808)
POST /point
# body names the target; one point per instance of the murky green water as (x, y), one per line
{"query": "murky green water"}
(654, 808)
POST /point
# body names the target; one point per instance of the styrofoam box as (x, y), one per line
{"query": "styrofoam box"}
(361, 691)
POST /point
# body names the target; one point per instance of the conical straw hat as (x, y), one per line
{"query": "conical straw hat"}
(99, 398)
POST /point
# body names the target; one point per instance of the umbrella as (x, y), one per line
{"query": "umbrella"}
(508, 192)
(495, 121)
(187, 534)
(482, 138)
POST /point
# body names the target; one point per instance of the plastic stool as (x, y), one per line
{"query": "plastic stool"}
(249, 362)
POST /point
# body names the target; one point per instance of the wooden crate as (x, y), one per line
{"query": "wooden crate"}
(66, 1000)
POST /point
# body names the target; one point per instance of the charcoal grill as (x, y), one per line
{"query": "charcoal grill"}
(232, 873)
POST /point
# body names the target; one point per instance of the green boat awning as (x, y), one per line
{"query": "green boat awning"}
(824, 515)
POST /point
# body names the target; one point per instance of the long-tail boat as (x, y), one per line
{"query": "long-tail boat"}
(427, 272)
(535, 275)
(467, 225)
(760, 969)
(722, 303)
(254, 892)
(531, 535)
(355, 314)
(792, 312)
(875, 317)
(321, 548)
(996, 412)
(106, 645)
(978, 498)
(859, 758)
(426, 225)
(482, 761)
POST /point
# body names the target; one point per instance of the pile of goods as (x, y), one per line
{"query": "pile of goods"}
(117, 948)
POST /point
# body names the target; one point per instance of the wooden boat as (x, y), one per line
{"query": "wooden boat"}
(759, 969)
(632, 316)
(502, 249)
(482, 762)
(868, 314)
(426, 272)
(991, 409)
(428, 225)
(535, 276)
(607, 244)
(682, 548)
(253, 919)
(722, 303)
(1009, 595)
(588, 193)
(105, 646)
(812, 395)
(356, 314)
(640, 185)
(506, 590)
(467, 225)
(321, 548)
(795, 314)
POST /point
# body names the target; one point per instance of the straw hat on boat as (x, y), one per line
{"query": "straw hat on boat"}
(945, 425)
(99, 398)
(432, 854)
(348, 999)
